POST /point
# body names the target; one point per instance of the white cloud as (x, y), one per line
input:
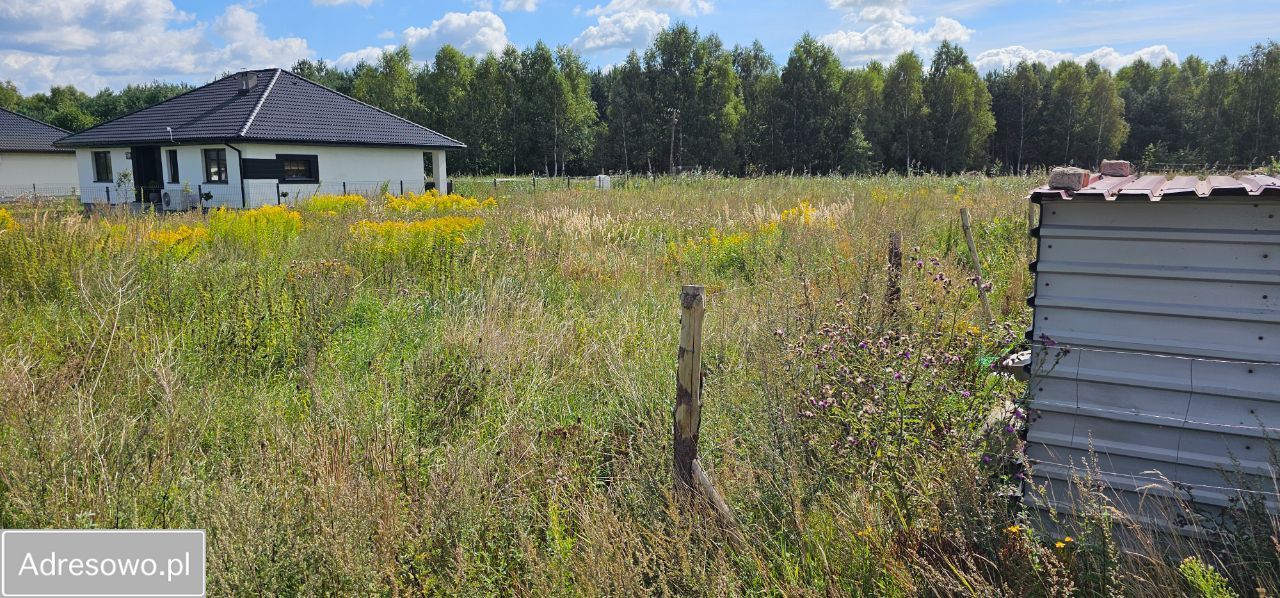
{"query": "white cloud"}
(883, 41)
(362, 3)
(1106, 56)
(248, 45)
(370, 55)
(475, 33)
(874, 11)
(524, 5)
(387, 34)
(1112, 60)
(627, 29)
(98, 43)
(883, 14)
(685, 7)
(633, 23)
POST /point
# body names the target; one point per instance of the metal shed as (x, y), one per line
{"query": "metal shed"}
(1156, 345)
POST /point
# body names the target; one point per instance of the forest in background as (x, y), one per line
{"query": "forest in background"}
(689, 103)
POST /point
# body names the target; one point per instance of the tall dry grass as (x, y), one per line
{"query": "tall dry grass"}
(494, 417)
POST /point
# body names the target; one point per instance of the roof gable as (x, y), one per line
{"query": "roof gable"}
(281, 107)
(20, 133)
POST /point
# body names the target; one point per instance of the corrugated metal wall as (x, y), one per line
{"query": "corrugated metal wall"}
(1156, 343)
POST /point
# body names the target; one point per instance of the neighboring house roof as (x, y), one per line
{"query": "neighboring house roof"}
(279, 107)
(19, 133)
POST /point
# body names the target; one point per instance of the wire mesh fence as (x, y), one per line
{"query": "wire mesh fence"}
(36, 192)
(252, 194)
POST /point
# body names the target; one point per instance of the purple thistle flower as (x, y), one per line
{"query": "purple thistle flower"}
(986, 459)
(966, 394)
(897, 376)
(1008, 428)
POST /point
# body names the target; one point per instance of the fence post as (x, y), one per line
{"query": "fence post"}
(566, 182)
(277, 192)
(895, 270)
(108, 196)
(401, 187)
(33, 191)
(977, 263)
(535, 183)
(687, 414)
(690, 478)
(344, 187)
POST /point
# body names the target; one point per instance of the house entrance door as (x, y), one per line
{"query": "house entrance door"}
(148, 176)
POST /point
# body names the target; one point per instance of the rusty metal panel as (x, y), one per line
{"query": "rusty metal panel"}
(1157, 343)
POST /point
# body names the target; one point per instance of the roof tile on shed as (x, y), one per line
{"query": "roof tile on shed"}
(1157, 187)
(280, 107)
(24, 134)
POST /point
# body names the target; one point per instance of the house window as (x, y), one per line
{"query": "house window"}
(102, 167)
(215, 166)
(173, 165)
(299, 168)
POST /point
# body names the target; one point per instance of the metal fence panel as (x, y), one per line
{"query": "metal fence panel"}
(1158, 332)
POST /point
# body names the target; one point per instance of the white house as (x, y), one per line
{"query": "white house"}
(251, 139)
(28, 157)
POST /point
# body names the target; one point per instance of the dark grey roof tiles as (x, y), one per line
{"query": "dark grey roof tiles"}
(19, 133)
(281, 107)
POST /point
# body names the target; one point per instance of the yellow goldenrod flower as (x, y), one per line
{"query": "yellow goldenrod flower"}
(1059, 545)
(261, 229)
(331, 205)
(1013, 529)
(7, 223)
(432, 201)
(178, 242)
(412, 240)
(1068, 539)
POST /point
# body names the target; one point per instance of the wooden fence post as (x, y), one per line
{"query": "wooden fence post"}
(687, 414)
(895, 269)
(690, 478)
(977, 263)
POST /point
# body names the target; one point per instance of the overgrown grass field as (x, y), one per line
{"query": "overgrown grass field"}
(463, 395)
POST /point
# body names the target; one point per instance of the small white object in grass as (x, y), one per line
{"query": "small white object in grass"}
(604, 182)
(1015, 365)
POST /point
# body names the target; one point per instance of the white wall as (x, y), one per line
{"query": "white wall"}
(92, 191)
(23, 170)
(191, 174)
(363, 169)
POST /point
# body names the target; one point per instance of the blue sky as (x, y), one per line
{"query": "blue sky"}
(98, 43)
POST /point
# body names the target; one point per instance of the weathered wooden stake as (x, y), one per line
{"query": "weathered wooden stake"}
(977, 263)
(687, 414)
(895, 269)
(690, 478)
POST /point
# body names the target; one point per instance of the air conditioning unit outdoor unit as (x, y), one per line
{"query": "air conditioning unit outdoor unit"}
(176, 201)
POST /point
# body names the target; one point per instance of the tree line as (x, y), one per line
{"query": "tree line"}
(689, 103)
